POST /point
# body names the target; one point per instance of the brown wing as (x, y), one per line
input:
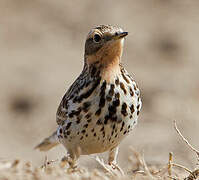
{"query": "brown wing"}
(81, 89)
(74, 90)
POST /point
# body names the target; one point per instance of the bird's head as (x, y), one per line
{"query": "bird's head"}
(104, 45)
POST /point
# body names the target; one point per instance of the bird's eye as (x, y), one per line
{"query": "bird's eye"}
(97, 38)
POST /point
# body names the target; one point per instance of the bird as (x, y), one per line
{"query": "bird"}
(102, 106)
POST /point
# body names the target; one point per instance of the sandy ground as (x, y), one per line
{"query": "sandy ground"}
(42, 43)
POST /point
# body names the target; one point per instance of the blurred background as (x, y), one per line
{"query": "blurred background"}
(42, 46)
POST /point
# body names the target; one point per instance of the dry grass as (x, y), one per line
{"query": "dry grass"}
(138, 169)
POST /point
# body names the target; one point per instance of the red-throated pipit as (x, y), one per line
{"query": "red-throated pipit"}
(102, 106)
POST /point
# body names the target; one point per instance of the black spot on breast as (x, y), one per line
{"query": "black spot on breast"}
(108, 98)
(132, 108)
(124, 109)
(102, 95)
(112, 110)
(117, 82)
(112, 133)
(106, 118)
(86, 125)
(99, 122)
(60, 131)
(123, 123)
(83, 131)
(123, 87)
(103, 88)
(125, 78)
(112, 113)
(102, 102)
(68, 132)
(117, 95)
(71, 114)
(75, 113)
(114, 118)
(68, 126)
(138, 112)
(131, 91)
(88, 115)
(116, 102)
(111, 91)
(102, 129)
(89, 120)
(86, 106)
(78, 120)
(137, 92)
(119, 120)
(103, 134)
(98, 112)
(78, 111)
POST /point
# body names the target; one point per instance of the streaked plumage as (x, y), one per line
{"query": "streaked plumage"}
(102, 106)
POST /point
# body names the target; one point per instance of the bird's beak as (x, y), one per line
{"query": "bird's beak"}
(120, 35)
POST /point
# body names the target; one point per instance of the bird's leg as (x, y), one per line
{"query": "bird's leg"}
(71, 160)
(112, 159)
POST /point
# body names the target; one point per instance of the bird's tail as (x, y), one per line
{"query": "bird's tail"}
(48, 142)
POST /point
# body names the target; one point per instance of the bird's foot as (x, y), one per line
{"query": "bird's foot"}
(111, 167)
(115, 166)
(47, 162)
(67, 160)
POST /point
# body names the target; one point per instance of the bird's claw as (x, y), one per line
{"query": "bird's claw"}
(68, 160)
(114, 166)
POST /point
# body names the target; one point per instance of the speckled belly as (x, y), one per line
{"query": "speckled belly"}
(105, 119)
